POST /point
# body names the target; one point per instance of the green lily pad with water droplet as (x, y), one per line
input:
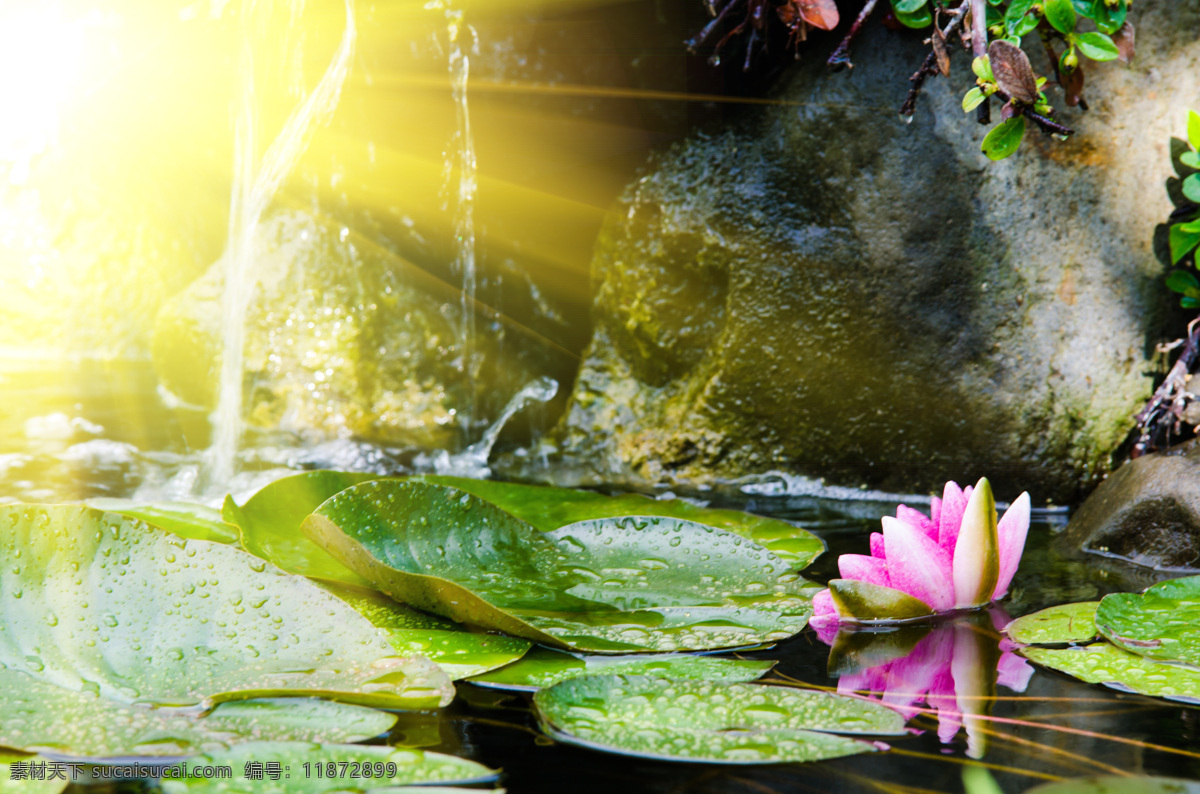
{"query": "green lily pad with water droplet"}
(1066, 623)
(708, 721)
(1163, 623)
(270, 520)
(99, 603)
(1118, 784)
(1104, 663)
(192, 521)
(544, 667)
(549, 508)
(20, 780)
(605, 586)
(354, 769)
(41, 717)
(460, 653)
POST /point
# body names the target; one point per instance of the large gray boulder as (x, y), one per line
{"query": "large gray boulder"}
(1148, 512)
(826, 291)
(343, 340)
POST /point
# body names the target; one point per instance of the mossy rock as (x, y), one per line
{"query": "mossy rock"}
(343, 339)
(823, 290)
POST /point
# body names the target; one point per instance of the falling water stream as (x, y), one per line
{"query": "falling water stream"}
(255, 183)
(462, 181)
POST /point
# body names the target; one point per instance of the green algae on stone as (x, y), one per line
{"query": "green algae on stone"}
(1163, 623)
(352, 769)
(550, 508)
(544, 667)
(1066, 623)
(270, 520)
(1104, 663)
(609, 586)
(93, 601)
(711, 722)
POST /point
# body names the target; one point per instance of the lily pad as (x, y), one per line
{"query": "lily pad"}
(270, 520)
(544, 667)
(99, 603)
(549, 508)
(41, 717)
(460, 653)
(305, 767)
(1163, 623)
(1067, 623)
(607, 586)
(1118, 784)
(196, 522)
(21, 781)
(1104, 663)
(710, 722)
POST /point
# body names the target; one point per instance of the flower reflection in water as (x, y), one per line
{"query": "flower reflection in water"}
(951, 668)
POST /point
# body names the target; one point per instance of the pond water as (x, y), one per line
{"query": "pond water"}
(84, 429)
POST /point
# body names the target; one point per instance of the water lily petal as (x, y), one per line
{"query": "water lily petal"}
(910, 677)
(825, 617)
(877, 549)
(950, 516)
(864, 569)
(917, 565)
(1012, 531)
(1013, 672)
(976, 553)
(919, 520)
(935, 510)
(943, 698)
(823, 605)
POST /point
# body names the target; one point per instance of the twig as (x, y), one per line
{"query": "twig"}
(929, 66)
(1046, 123)
(694, 43)
(841, 56)
(983, 114)
(1171, 397)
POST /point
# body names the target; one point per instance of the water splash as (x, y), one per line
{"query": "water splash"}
(254, 185)
(472, 461)
(463, 165)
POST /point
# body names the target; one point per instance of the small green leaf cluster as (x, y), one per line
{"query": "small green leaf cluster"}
(1002, 140)
(1052, 20)
(1185, 234)
(1061, 19)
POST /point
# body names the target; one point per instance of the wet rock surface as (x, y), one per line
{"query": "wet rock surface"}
(1148, 512)
(343, 339)
(826, 291)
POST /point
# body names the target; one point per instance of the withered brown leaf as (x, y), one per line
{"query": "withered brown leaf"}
(939, 50)
(1013, 72)
(821, 14)
(1124, 39)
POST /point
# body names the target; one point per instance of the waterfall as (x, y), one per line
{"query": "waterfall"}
(473, 461)
(464, 188)
(254, 185)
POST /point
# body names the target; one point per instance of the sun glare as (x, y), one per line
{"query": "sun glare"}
(40, 52)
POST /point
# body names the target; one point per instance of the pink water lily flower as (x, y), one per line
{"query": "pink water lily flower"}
(960, 557)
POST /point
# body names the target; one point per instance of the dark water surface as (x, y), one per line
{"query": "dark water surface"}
(86, 430)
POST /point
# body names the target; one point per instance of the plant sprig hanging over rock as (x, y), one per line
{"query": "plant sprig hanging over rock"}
(1070, 32)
